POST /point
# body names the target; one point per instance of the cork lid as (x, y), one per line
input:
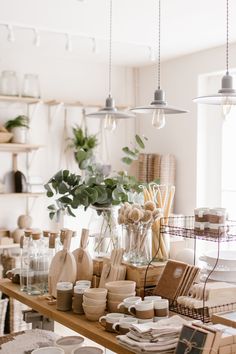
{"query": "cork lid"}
(28, 233)
(46, 233)
(36, 236)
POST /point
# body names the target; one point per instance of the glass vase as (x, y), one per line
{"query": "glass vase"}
(104, 230)
(137, 243)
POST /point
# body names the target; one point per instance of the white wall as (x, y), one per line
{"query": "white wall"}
(69, 79)
(181, 81)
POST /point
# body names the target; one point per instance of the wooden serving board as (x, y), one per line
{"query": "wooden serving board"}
(63, 266)
(84, 262)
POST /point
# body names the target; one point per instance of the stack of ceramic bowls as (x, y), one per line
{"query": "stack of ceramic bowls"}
(94, 303)
(117, 292)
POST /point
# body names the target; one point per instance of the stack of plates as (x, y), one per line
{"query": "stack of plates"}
(226, 266)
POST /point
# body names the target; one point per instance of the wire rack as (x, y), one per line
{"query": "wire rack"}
(183, 226)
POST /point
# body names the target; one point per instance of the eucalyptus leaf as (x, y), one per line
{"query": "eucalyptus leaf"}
(127, 160)
(139, 141)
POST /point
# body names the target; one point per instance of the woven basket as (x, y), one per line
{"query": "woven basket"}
(5, 137)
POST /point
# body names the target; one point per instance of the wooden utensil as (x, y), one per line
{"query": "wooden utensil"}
(63, 266)
(84, 262)
(114, 270)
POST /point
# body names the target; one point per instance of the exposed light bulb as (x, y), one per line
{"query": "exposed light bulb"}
(158, 118)
(68, 42)
(226, 106)
(110, 122)
(36, 38)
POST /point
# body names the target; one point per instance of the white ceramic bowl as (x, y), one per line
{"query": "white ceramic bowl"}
(121, 286)
(227, 258)
(96, 293)
(93, 302)
(87, 350)
(118, 297)
(69, 343)
(48, 350)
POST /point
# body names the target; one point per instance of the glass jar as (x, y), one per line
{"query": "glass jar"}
(31, 86)
(137, 242)
(9, 84)
(104, 230)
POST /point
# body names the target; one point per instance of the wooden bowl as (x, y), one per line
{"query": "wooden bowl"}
(5, 137)
(121, 286)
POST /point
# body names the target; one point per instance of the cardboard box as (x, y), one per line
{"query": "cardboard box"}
(217, 336)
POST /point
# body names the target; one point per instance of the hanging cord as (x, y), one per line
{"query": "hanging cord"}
(227, 37)
(158, 63)
(110, 47)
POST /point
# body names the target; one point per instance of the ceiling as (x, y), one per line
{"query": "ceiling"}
(187, 26)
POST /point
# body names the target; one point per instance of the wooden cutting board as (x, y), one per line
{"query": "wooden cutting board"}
(63, 266)
(84, 262)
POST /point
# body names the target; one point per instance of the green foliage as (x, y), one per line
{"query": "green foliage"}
(133, 153)
(19, 121)
(83, 145)
(71, 192)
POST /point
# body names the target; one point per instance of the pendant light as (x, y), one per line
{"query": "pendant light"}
(226, 96)
(110, 113)
(159, 107)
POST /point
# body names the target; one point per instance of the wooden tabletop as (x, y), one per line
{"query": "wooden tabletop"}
(77, 323)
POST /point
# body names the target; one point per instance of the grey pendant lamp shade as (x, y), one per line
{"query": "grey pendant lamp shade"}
(226, 95)
(159, 106)
(110, 113)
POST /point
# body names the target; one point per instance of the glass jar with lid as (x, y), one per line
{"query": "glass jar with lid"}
(31, 86)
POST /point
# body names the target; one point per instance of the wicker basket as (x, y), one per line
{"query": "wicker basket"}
(5, 137)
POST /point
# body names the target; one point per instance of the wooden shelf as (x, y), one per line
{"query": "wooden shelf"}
(78, 323)
(12, 245)
(17, 148)
(22, 195)
(15, 99)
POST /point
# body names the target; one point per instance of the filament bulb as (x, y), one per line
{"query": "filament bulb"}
(110, 122)
(158, 118)
(226, 106)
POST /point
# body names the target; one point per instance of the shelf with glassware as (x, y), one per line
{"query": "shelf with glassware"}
(218, 262)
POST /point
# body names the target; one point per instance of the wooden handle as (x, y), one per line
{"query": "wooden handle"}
(67, 240)
(84, 238)
(14, 162)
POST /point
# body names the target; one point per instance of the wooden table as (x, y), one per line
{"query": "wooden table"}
(77, 323)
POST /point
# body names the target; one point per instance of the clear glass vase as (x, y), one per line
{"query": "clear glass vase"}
(137, 243)
(105, 233)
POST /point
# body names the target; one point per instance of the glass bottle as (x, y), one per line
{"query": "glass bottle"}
(39, 265)
(9, 84)
(24, 261)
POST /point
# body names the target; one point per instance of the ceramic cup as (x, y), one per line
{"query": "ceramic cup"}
(87, 350)
(152, 298)
(108, 320)
(48, 350)
(122, 327)
(96, 293)
(161, 309)
(127, 302)
(83, 283)
(93, 313)
(142, 310)
(69, 343)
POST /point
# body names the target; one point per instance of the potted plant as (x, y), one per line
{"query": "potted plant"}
(83, 145)
(18, 127)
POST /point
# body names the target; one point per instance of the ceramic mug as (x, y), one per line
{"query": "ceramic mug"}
(108, 320)
(152, 298)
(143, 310)
(122, 327)
(161, 309)
(128, 301)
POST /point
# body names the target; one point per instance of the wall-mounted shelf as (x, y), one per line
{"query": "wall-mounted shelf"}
(12, 245)
(22, 195)
(15, 99)
(16, 148)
